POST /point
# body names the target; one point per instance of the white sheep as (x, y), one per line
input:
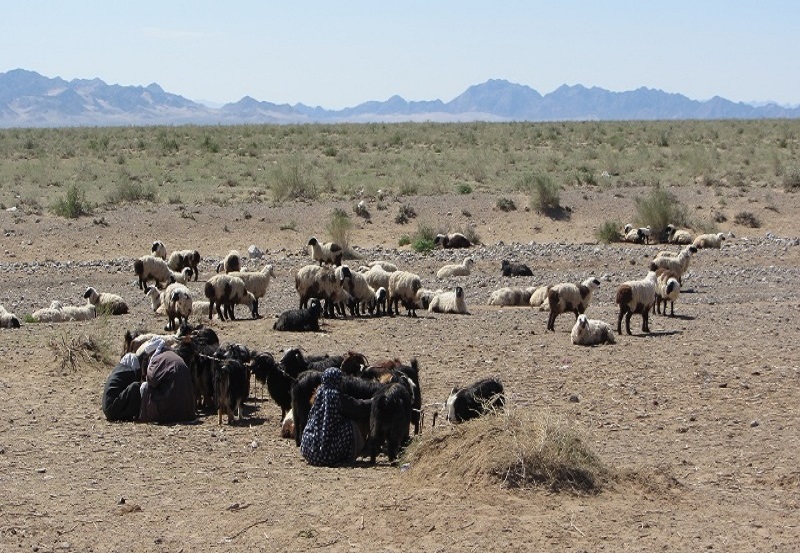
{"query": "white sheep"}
(379, 305)
(156, 301)
(709, 241)
(256, 282)
(315, 281)
(678, 264)
(387, 266)
(8, 320)
(509, 296)
(180, 259)
(539, 298)
(449, 302)
(51, 314)
(591, 332)
(149, 267)
(636, 296)
(668, 288)
(638, 235)
(425, 296)
(232, 262)
(329, 252)
(79, 312)
(58, 313)
(362, 295)
(376, 276)
(678, 236)
(403, 288)
(159, 249)
(460, 269)
(106, 303)
(567, 296)
(177, 301)
(225, 292)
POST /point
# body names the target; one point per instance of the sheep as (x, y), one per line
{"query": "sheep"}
(79, 313)
(508, 269)
(461, 269)
(379, 304)
(312, 281)
(511, 296)
(637, 235)
(591, 332)
(709, 241)
(539, 298)
(376, 276)
(403, 287)
(636, 296)
(110, 304)
(452, 240)
(256, 282)
(477, 399)
(449, 302)
(177, 301)
(134, 340)
(387, 266)
(425, 296)
(51, 314)
(329, 252)
(668, 288)
(8, 320)
(678, 236)
(300, 320)
(566, 296)
(232, 262)
(362, 295)
(181, 259)
(159, 249)
(678, 264)
(149, 267)
(225, 292)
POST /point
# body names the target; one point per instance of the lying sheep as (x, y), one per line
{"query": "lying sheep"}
(709, 241)
(475, 400)
(591, 332)
(570, 297)
(452, 240)
(232, 262)
(425, 296)
(224, 292)
(328, 252)
(149, 268)
(678, 236)
(58, 313)
(460, 269)
(636, 296)
(8, 320)
(256, 282)
(668, 288)
(508, 269)
(300, 320)
(678, 264)
(637, 235)
(403, 287)
(387, 266)
(511, 296)
(449, 302)
(539, 298)
(108, 304)
(51, 314)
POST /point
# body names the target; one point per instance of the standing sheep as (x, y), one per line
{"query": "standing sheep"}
(709, 241)
(449, 302)
(678, 264)
(668, 288)
(110, 304)
(566, 296)
(232, 262)
(149, 267)
(256, 282)
(403, 287)
(328, 252)
(636, 296)
(177, 301)
(460, 269)
(225, 292)
(591, 332)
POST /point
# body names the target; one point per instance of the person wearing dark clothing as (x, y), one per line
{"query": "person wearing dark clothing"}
(167, 393)
(121, 398)
(331, 435)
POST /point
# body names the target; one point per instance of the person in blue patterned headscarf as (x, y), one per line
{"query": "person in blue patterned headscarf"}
(330, 436)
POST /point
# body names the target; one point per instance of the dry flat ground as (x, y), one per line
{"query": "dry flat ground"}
(700, 415)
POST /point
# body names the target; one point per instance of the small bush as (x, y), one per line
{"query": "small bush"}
(464, 189)
(210, 145)
(545, 194)
(422, 241)
(506, 204)
(609, 232)
(405, 213)
(291, 184)
(73, 205)
(131, 191)
(747, 219)
(339, 227)
(405, 240)
(658, 209)
(791, 181)
(471, 233)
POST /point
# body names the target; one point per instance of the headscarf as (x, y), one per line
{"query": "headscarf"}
(130, 360)
(328, 436)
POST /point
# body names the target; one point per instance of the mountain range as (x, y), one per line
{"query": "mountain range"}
(28, 99)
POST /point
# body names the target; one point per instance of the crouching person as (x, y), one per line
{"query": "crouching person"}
(332, 436)
(121, 397)
(167, 392)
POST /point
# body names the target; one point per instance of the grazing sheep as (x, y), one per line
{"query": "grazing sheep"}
(232, 262)
(300, 320)
(709, 241)
(387, 266)
(181, 259)
(570, 297)
(591, 332)
(668, 288)
(678, 264)
(177, 301)
(452, 240)
(477, 399)
(149, 268)
(225, 291)
(636, 296)
(329, 252)
(539, 298)
(109, 304)
(449, 302)
(678, 236)
(256, 282)
(8, 320)
(508, 269)
(403, 287)
(511, 296)
(460, 269)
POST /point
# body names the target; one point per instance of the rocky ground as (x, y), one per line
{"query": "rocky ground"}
(700, 414)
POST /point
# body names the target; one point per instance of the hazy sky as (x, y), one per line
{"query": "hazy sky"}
(338, 54)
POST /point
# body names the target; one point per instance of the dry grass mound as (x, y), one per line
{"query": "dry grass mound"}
(517, 448)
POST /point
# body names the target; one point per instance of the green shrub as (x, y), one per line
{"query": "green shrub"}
(791, 181)
(659, 209)
(422, 241)
(464, 189)
(291, 184)
(339, 227)
(609, 232)
(210, 145)
(506, 204)
(131, 191)
(545, 194)
(73, 205)
(405, 240)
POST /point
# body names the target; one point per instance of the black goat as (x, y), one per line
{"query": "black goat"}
(475, 400)
(514, 269)
(300, 320)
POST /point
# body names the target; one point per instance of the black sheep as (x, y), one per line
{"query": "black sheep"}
(300, 320)
(515, 269)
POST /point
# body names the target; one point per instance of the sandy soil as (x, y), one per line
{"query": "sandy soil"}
(702, 411)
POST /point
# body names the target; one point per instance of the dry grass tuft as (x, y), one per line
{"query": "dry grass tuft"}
(518, 448)
(72, 351)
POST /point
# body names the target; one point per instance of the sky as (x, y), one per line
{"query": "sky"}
(337, 54)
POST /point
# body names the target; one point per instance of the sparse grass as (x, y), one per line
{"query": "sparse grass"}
(464, 188)
(72, 351)
(791, 180)
(131, 191)
(747, 219)
(73, 204)
(545, 194)
(339, 227)
(658, 209)
(609, 232)
(405, 240)
(291, 183)
(506, 204)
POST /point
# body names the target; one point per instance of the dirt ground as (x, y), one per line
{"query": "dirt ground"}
(702, 411)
